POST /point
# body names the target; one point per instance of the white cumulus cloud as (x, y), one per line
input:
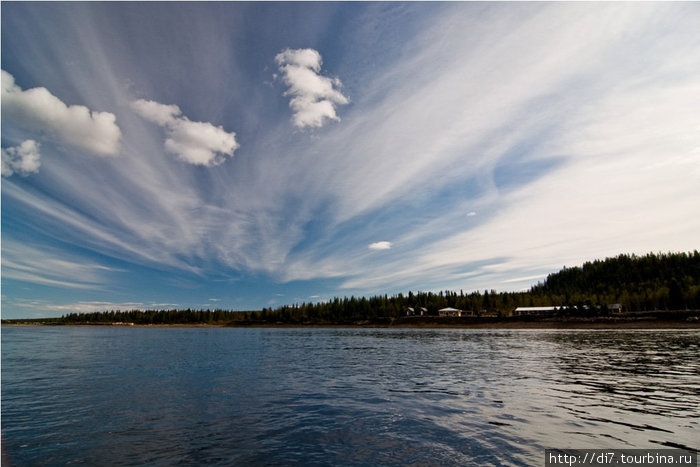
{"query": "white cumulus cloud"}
(380, 246)
(314, 97)
(23, 159)
(160, 114)
(38, 110)
(198, 143)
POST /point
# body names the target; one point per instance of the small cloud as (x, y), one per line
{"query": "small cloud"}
(471, 214)
(38, 110)
(314, 97)
(23, 159)
(214, 299)
(380, 246)
(160, 114)
(198, 143)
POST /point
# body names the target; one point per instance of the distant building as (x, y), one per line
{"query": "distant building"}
(535, 310)
(410, 311)
(615, 308)
(454, 312)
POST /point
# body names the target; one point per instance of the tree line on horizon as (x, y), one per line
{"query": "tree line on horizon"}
(661, 281)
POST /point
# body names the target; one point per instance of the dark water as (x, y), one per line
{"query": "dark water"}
(176, 396)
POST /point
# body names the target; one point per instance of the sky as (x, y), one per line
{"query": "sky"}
(249, 155)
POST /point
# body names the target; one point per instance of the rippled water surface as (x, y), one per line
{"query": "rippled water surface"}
(196, 396)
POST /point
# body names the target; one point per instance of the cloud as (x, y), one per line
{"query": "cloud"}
(380, 246)
(198, 143)
(23, 159)
(43, 307)
(314, 97)
(156, 227)
(48, 266)
(454, 115)
(512, 102)
(40, 111)
(160, 114)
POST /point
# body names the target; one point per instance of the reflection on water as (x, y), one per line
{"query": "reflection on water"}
(342, 396)
(647, 384)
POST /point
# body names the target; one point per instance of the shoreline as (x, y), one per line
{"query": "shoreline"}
(514, 325)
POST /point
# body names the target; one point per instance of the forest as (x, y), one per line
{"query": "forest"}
(661, 281)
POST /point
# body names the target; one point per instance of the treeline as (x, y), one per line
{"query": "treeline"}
(173, 316)
(668, 281)
(639, 283)
(651, 282)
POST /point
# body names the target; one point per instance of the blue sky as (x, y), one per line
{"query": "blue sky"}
(244, 155)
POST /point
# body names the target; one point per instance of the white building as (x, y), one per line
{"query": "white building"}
(450, 312)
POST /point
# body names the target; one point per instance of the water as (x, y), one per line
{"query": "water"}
(203, 396)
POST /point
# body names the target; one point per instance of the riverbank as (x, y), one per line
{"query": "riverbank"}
(500, 324)
(454, 323)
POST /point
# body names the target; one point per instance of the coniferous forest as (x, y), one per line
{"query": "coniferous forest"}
(653, 282)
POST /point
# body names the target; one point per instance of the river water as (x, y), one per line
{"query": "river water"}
(280, 396)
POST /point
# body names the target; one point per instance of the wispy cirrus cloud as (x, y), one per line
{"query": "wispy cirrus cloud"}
(198, 143)
(41, 112)
(314, 96)
(48, 266)
(24, 159)
(472, 109)
(41, 308)
(564, 161)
